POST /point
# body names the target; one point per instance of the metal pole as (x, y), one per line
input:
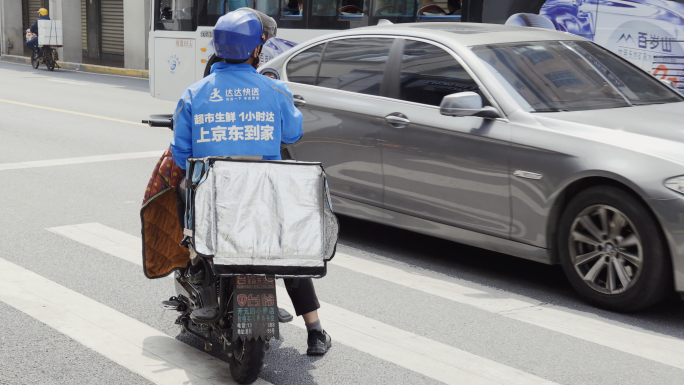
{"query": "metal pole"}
(2, 27)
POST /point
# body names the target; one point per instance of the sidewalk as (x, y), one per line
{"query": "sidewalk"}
(82, 66)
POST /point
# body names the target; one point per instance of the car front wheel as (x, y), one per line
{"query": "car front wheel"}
(612, 250)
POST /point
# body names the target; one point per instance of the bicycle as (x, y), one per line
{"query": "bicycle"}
(47, 56)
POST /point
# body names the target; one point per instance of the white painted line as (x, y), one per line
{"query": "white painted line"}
(419, 354)
(588, 327)
(104, 238)
(68, 82)
(124, 340)
(422, 355)
(84, 159)
(72, 112)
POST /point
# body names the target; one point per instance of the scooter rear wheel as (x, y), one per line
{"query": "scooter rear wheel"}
(247, 360)
(50, 60)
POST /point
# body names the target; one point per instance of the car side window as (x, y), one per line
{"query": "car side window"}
(355, 65)
(303, 67)
(428, 73)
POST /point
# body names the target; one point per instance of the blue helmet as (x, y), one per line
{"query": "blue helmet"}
(237, 33)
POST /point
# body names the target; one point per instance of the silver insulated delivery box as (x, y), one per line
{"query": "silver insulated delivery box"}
(263, 217)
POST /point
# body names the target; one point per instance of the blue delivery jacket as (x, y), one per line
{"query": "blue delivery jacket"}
(234, 111)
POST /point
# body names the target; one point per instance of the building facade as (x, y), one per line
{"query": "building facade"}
(106, 32)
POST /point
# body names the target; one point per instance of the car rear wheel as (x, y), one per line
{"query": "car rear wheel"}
(612, 250)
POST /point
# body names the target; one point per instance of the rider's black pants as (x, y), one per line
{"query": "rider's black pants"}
(302, 294)
(300, 290)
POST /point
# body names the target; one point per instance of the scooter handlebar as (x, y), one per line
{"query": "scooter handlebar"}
(168, 123)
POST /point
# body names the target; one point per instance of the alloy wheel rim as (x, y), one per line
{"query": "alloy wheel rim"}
(605, 249)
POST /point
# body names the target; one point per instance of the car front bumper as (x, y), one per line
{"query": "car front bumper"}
(670, 214)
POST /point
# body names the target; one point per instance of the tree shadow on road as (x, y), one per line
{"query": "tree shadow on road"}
(287, 365)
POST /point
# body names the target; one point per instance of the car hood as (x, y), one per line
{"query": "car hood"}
(656, 129)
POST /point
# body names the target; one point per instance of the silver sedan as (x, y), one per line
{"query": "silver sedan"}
(534, 143)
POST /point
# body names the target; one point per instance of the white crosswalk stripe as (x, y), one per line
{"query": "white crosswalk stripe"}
(132, 344)
(588, 327)
(80, 160)
(409, 350)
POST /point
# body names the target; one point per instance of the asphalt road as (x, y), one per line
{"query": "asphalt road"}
(401, 308)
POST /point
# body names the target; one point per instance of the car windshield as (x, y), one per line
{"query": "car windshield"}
(549, 76)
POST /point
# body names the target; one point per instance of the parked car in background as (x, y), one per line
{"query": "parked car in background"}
(534, 143)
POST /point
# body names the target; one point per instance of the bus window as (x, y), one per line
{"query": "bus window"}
(269, 7)
(293, 7)
(334, 14)
(440, 9)
(174, 15)
(210, 11)
(324, 8)
(351, 8)
(390, 8)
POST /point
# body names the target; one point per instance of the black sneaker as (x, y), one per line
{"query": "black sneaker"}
(319, 343)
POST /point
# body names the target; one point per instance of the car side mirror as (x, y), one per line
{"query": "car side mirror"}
(466, 104)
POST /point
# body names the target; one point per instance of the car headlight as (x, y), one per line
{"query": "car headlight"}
(676, 184)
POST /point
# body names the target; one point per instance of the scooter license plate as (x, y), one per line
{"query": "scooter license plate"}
(255, 308)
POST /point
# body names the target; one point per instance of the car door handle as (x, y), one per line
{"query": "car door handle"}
(397, 120)
(299, 101)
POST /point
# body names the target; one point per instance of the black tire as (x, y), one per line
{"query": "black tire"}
(34, 60)
(247, 360)
(50, 63)
(650, 281)
(212, 59)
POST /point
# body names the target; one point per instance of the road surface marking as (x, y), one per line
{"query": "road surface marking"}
(84, 159)
(409, 350)
(588, 327)
(103, 238)
(68, 82)
(82, 72)
(422, 355)
(130, 343)
(72, 112)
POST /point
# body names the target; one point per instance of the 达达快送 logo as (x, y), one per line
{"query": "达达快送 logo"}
(174, 62)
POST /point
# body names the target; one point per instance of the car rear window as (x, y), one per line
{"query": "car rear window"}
(355, 65)
(551, 76)
(303, 67)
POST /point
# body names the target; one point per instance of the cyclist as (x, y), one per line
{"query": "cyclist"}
(33, 43)
(256, 114)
